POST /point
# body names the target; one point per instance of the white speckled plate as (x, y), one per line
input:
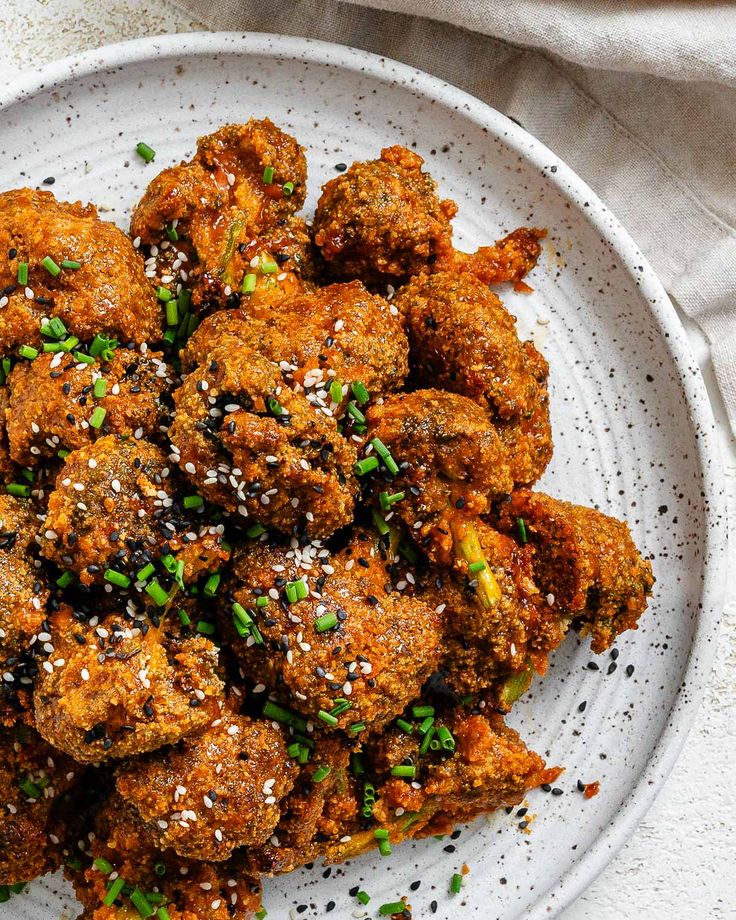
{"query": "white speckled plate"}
(633, 428)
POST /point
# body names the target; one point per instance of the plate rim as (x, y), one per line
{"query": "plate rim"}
(686, 702)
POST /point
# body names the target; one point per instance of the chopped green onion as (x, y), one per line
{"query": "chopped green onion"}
(522, 529)
(65, 579)
(23, 273)
(341, 706)
(170, 336)
(406, 771)
(193, 501)
(366, 465)
(325, 622)
(385, 454)
(71, 264)
(255, 530)
(321, 773)
(380, 833)
(360, 392)
(477, 566)
(456, 883)
(148, 154)
(296, 591)
(269, 267)
(405, 726)
(426, 741)
(103, 865)
(446, 738)
(18, 489)
(336, 391)
(28, 475)
(54, 328)
(279, 714)
(387, 499)
(207, 629)
(100, 387)
(31, 789)
(274, 406)
(420, 712)
(51, 267)
(356, 728)
(113, 892)
(69, 343)
(327, 717)
(363, 897)
(212, 584)
(381, 526)
(141, 904)
(426, 724)
(172, 313)
(157, 593)
(242, 614)
(97, 417)
(261, 914)
(262, 601)
(146, 572)
(163, 294)
(81, 358)
(27, 351)
(172, 232)
(357, 766)
(249, 283)
(355, 412)
(268, 175)
(288, 188)
(384, 848)
(102, 347)
(117, 578)
(184, 618)
(163, 914)
(63, 453)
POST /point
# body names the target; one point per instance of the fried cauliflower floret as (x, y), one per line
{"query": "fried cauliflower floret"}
(231, 205)
(259, 449)
(324, 639)
(24, 592)
(464, 340)
(109, 293)
(235, 773)
(585, 561)
(33, 778)
(114, 690)
(111, 508)
(336, 333)
(189, 889)
(382, 222)
(450, 462)
(52, 401)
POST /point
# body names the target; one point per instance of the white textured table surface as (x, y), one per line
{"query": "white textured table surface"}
(681, 862)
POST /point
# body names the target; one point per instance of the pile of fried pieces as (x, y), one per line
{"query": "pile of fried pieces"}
(272, 566)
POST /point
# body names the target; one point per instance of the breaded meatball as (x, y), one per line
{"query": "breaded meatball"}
(112, 690)
(232, 203)
(336, 333)
(24, 592)
(450, 463)
(231, 777)
(114, 486)
(259, 449)
(108, 293)
(33, 779)
(189, 889)
(52, 400)
(382, 220)
(584, 560)
(324, 639)
(463, 339)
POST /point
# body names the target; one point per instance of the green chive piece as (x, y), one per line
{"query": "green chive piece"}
(81, 358)
(355, 412)
(103, 865)
(288, 188)
(28, 475)
(363, 897)
(27, 351)
(357, 765)
(97, 417)
(321, 773)
(63, 453)
(356, 728)
(296, 591)
(172, 313)
(31, 789)
(185, 620)
(405, 726)
(426, 741)
(102, 347)
(366, 465)
(268, 175)
(146, 572)
(327, 717)
(336, 391)
(207, 629)
(164, 294)
(392, 907)
(148, 154)
(113, 892)
(212, 584)
(193, 501)
(446, 738)
(269, 267)
(51, 267)
(172, 233)
(255, 530)
(157, 593)
(163, 914)
(262, 601)
(261, 914)
(325, 622)
(406, 771)
(23, 273)
(341, 705)
(456, 883)
(387, 500)
(249, 283)
(117, 578)
(522, 529)
(279, 714)
(242, 614)
(74, 864)
(360, 392)
(69, 343)
(100, 387)
(274, 406)
(65, 579)
(385, 454)
(18, 489)
(380, 833)
(426, 724)
(53, 329)
(420, 712)
(71, 264)
(477, 566)
(384, 848)
(141, 903)
(380, 525)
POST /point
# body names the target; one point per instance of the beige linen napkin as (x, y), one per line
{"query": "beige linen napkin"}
(638, 97)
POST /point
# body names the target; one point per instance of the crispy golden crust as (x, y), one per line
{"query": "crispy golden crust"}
(234, 775)
(28, 846)
(382, 221)
(259, 449)
(190, 889)
(108, 294)
(113, 691)
(51, 402)
(586, 560)
(377, 655)
(508, 260)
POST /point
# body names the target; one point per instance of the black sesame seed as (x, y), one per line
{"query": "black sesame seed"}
(629, 670)
(557, 791)
(592, 666)
(581, 707)
(612, 667)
